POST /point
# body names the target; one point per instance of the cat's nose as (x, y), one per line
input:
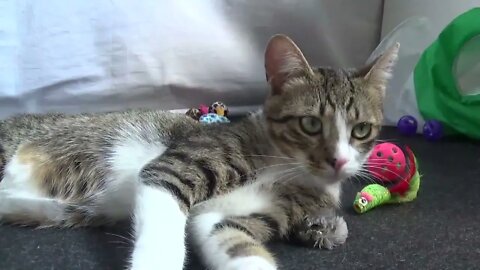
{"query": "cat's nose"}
(337, 164)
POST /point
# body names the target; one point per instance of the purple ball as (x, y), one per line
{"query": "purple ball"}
(432, 130)
(407, 125)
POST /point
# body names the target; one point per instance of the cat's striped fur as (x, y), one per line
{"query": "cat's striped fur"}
(240, 184)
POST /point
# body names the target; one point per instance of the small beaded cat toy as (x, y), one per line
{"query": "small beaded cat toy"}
(215, 113)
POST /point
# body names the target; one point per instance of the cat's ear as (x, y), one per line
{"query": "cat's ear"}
(380, 70)
(283, 59)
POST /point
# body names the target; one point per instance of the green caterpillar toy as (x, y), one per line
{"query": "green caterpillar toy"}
(396, 170)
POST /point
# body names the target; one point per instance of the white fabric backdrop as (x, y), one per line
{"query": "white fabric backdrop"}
(88, 55)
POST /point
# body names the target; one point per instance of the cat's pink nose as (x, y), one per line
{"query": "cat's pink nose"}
(339, 163)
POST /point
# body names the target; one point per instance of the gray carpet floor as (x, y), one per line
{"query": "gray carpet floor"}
(440, 230)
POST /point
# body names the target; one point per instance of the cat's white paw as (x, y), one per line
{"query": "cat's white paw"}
(322, 231)
(250, 263)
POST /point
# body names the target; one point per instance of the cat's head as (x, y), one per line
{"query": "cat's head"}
(327, 119)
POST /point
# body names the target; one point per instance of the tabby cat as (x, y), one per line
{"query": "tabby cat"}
(232, 187)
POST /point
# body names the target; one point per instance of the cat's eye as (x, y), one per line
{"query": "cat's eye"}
(362, 131)
(311, 125)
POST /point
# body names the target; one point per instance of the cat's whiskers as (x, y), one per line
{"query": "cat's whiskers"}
(253, 172)
(279, 157)
(377, 159)
(293, 174)
(378, 177)
(386, 140)
(275, 165)
(381, 167)
(371, 177)
(123, 239)
(365, 175)
(286, 173)
(386, 169)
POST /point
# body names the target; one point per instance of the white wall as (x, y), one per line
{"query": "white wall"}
(439, 12)
(88, 55)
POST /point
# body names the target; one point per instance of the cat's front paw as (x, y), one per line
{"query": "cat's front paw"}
(322, 231)
(250, 263)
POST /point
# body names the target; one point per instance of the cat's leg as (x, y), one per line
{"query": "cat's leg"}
(321, 226)
(22, 202)
(230, 230)
(159, 223)
(159, 231)
(25, 195)
(30, 209)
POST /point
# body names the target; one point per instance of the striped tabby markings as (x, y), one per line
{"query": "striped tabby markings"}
(238, 244)
(151, 179)
(173, 181)
(58, 177)
(171, 178)
(236, 171)
(2, 162)
(258, 226)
